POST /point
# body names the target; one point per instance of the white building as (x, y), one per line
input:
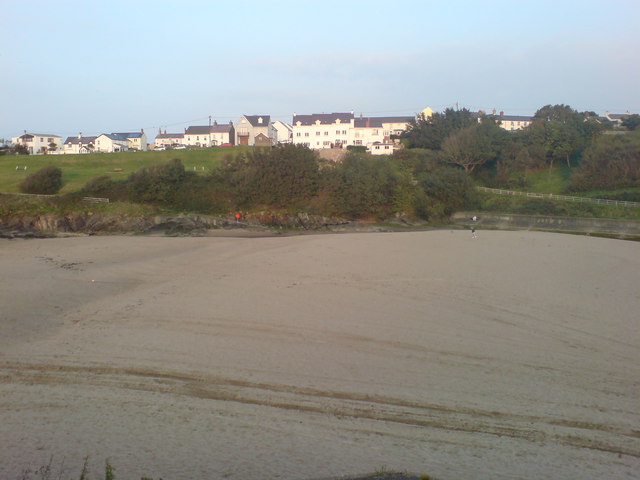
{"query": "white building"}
(135, 140)
(380, 148)
(168, 139)
(38, 142)
(283, 132)
(209, 136)
(322, 130)
(79, 144)
(338, 130)
(111, 142)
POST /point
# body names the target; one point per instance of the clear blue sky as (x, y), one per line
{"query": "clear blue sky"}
(95, 66)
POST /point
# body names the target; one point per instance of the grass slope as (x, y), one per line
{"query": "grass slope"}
(77, 170)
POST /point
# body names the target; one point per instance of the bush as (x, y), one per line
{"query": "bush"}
(450, 187)
(46, 181)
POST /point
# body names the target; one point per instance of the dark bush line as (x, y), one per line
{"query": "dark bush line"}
(293, 178)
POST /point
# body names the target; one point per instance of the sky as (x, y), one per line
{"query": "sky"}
(121, 66)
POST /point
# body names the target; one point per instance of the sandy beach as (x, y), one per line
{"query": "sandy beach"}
(515, 355)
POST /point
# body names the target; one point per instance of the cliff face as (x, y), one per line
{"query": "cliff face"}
(52, 224)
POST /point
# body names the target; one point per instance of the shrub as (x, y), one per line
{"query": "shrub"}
(46, 181)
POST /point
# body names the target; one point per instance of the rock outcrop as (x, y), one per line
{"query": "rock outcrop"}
(52, 224)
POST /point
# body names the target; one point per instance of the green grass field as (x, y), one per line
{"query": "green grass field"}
(77, 170)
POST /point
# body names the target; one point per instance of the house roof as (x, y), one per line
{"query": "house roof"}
(31, 135)
(395, 119)
(129, 134)
(515, 118)
(198, 130)
(367, 122)
(81, 140)
(113, 136)
(223, 128)
(254, 120)
(206, 129)
(170, 135)
(324, 118)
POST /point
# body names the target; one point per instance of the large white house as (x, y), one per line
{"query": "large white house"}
(38, 142)
(322, 130)
(255, 130)
(338, 130)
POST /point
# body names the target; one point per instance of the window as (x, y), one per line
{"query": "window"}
(344, 132)
(317, 134)
(375, 132)
(357, 142)
(298, 134)
(326, 142)
(306, 134)
(337, 132)
(326, 134)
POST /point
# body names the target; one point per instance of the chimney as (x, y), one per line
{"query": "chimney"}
(165, 131)
(159, 131)
(215, 123)
(494, 111)
(142, 130)
(368, 122)
(501, 114)
(79, 135)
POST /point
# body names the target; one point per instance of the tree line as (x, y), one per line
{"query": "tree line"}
(435, 175)
(597, 155)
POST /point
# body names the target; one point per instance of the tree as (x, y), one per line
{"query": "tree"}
(367, 186)
(472, 146)
(46, 181)
(430, 132)
(612, 161)
(451, 188)
(279, 177)
(631, 122)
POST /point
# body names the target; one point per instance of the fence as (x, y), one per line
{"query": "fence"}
(552, 196)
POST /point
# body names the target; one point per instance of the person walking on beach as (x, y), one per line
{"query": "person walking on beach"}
(473, 232)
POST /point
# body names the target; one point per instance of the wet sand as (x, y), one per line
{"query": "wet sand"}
(511, 356)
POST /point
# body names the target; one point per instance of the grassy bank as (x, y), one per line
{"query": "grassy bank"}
(77, 170)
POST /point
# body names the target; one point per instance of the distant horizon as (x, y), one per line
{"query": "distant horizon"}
(149, 65)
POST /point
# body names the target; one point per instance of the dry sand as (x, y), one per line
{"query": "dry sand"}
(512, 356)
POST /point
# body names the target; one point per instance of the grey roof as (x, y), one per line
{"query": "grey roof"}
(115, 136)
(129, 134)
(325, 118)
(81, 141)
(367, 122)
(206, 129)
(395, 119)
(515, 118)
(29, 134)
(170, 135)
(253, 120)
(198, 130)
(222, 128)
(619, 116)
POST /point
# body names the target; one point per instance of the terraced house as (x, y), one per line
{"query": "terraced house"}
(338, 130)
(209, 136)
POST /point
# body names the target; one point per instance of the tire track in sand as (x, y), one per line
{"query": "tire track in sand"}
(616, 439)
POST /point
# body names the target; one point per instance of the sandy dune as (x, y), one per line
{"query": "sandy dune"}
(512, 356)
